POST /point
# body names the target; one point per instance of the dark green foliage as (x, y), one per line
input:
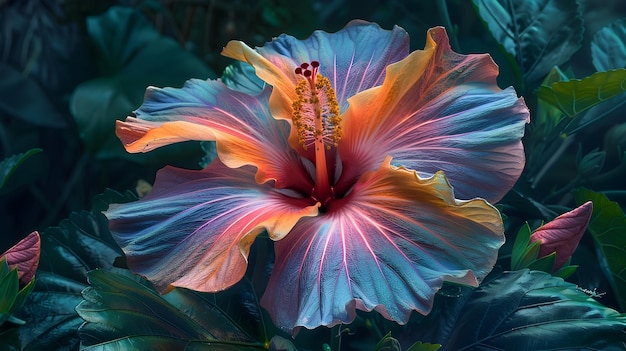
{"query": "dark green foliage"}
(608, 227)
(128, 46)
(524, 310)
(537, 34)
(123, 311)
(70, 69)
(78, 245)
(575, 96)
(10, 164)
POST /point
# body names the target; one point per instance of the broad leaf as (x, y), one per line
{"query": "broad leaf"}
(79, 244)
(575, 96)
(608, 47)
(122, 310)
(130, 63)
(388, 343)
(9, 287)
(538, 34)
(10, 164)
(23, 98)
(608, 227)
(524, 310)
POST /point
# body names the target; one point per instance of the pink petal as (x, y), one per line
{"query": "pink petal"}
(563, 234)
(195, 228)
(439, 110)
(388, 246)
(25, 255)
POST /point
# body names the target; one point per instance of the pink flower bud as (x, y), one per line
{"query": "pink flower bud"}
(563, 234)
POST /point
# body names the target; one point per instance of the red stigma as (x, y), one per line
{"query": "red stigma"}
(308, 70)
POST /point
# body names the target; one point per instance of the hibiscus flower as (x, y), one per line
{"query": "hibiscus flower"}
(347, 158)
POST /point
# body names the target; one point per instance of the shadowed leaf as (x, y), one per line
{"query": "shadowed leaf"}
(524, 310)
(130, 63)
(575, 96)
(122, 310)
(10, 164)
(608, 227)
(79, 244)
(538, 34)
(608, 47)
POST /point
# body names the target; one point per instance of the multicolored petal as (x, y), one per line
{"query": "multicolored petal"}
(439, 110)
(388, 246)
(241, 124)
(195, 228)
(354, 59)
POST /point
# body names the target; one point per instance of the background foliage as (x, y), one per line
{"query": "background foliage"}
(70, 68)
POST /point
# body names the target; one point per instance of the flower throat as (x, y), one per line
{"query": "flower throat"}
(317, 121)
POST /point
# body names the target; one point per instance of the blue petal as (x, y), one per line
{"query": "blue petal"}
(195, 228)
(354, 58)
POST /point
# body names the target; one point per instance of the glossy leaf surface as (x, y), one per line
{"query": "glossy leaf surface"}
(608, 227)
(122, 311)
(79, 244)
(524, 310)
(538, 34)
(575, 96)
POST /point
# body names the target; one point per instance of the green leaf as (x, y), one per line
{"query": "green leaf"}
(524, 310)
(538, 34)
(9, 287)
(608, 46)
(388, 343)
(23, 98)
(574, 96)
(10, 164)
(519, 247)
(530, 254)
(121, 309)
(608, 228)
(544, 264)
(130, 63)
(79, 244)
(420, 346)
(565, 271)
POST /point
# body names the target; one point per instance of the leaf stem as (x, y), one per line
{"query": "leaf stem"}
(335, 338)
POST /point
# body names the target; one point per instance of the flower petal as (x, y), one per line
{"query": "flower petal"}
(195, 228)
(439, 110)
(388, 247)
(354, 59)
(245, 132)
(562, 234)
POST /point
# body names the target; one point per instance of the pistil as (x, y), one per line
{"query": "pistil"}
(316, 118)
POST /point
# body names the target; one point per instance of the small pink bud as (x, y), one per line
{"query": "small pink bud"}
(25, 255)
(563, 234)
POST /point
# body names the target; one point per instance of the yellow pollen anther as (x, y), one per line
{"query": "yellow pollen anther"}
(316, 115)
